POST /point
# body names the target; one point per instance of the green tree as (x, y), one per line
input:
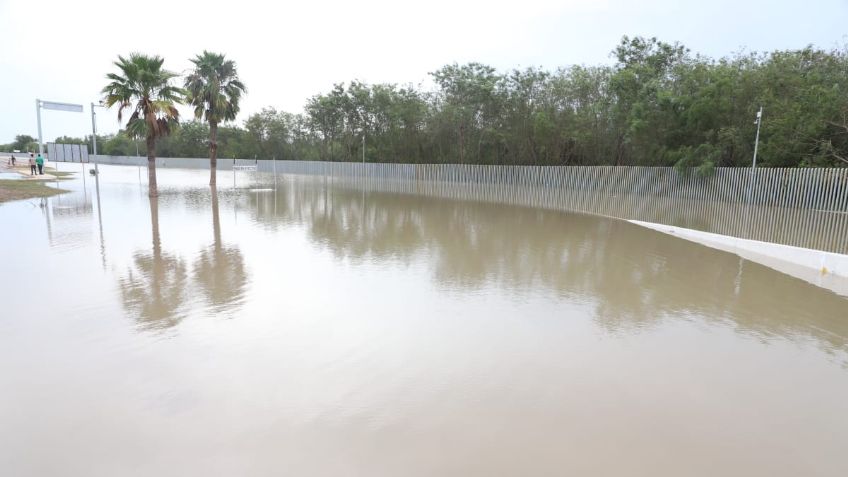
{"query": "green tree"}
(190, 140)
(214, 89)
(327, 119)
(272, 134)
(121, 144)
(70, 140)
(143, 87)
(22, 142)
(646, 108)
(469, 97)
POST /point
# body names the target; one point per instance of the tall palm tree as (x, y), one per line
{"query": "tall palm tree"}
(143, 87)
(214, 89)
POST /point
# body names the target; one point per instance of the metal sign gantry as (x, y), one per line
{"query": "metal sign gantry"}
(39, 105)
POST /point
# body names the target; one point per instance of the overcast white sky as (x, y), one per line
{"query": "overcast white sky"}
(60, 50)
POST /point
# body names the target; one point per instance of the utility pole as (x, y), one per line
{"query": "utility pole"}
(363, 148)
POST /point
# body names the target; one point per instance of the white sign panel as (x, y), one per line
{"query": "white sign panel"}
(74, 108)
(67, 152)
(60, 153)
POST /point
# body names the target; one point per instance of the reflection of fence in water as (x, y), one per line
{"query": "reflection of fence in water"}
(801, 207)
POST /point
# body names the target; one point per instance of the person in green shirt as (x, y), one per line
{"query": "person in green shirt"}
(39, 161)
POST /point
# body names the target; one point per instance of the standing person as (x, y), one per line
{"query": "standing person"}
(31, 165)
(40, 162)
(13, 160)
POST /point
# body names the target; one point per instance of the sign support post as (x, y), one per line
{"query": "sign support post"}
(39, 105)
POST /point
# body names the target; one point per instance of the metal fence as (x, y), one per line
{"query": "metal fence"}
(802, 207)
(821, 189)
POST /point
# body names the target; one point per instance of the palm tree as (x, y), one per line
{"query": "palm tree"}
(214, 89)
(144, 87)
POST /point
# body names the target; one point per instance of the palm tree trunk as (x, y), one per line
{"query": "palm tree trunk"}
(216, 221)
(213, 152)
(152, 189)
(154, 227)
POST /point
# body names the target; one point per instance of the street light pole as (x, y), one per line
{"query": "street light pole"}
(754, 163)
(94, 135)
(757, 140)
(93, 131)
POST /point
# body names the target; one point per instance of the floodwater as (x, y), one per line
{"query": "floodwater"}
(310, 328)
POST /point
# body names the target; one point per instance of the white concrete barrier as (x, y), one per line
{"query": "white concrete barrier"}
(825, 269)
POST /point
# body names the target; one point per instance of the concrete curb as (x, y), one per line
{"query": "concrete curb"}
(824, 269)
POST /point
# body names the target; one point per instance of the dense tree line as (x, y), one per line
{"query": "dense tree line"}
(658, 104)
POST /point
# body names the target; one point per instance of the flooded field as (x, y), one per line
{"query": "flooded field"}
(313, 328)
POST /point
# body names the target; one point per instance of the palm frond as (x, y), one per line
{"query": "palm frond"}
(142, 86)
(213, 87)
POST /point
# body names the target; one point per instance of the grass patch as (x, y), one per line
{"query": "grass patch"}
(24, 189)
(24, 170)
(59, 174)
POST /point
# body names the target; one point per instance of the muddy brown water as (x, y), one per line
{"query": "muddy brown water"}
(314, 329)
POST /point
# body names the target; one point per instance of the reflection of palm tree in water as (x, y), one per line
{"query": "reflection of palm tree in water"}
(219, 269)
(155, 286)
